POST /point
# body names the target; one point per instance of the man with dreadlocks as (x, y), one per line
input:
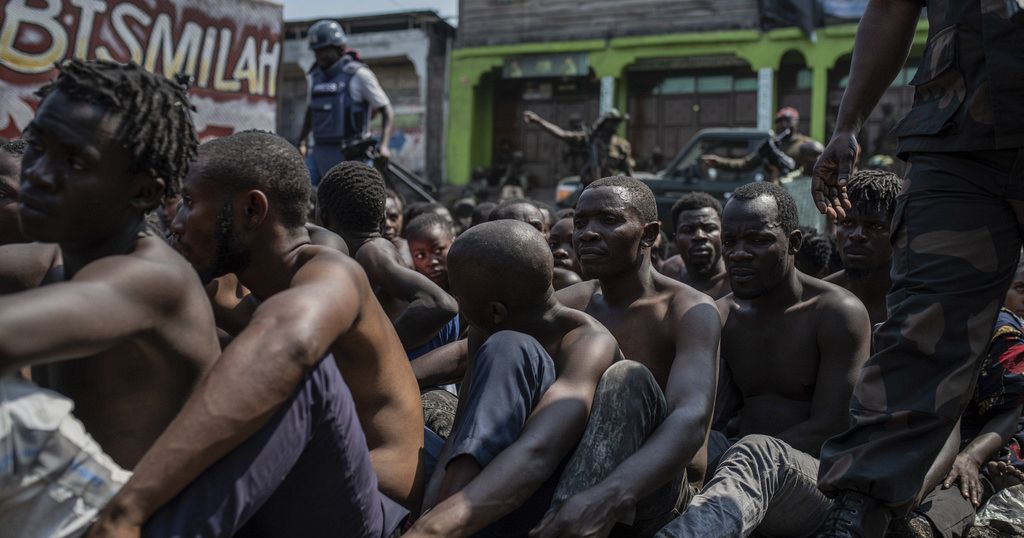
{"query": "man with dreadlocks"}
(120, 322)
(863, 239)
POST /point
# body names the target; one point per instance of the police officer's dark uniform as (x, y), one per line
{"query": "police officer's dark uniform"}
(337, 118)
(956, 235)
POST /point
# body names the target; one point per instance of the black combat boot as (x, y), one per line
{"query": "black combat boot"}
(855, 515)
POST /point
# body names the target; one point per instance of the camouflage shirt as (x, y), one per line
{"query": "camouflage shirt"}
(969, 88)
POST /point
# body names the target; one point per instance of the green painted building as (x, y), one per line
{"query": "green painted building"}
(672, 84)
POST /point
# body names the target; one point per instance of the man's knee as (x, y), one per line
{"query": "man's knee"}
(628, 375)
(763, 447)
(510, 349)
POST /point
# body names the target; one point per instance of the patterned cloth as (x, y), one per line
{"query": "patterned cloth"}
(1001, 383)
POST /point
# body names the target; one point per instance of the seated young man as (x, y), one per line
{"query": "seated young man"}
(118, 318)
(795, 345)
(567, 266)
(524, 403)
(352, 200)
(272, 432)
(652, 411)
(863, 239)
(698, 223)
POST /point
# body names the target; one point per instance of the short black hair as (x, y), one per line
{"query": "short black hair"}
(874, 191)
(156, 125)
(694, 200)
(352, 194)
(789, 219)
(416, 209)
(425, 222)
(506, 258)
(638, 193)
(505, 205)
(14, 147)
(482, 213)
(260, 160)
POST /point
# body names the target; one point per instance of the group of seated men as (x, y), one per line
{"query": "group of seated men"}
(253, 373)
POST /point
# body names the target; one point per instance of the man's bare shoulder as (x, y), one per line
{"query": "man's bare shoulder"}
(26, 265)
(578, 295)
(153, 269)
(324, 237)
(826, 297)
(838, 278)
(331, 261)
(587, 337)
(673, 267)
(682, 296)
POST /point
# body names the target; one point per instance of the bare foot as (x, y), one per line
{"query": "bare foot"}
(1003, 475)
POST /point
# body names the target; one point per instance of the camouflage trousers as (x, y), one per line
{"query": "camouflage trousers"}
(956, 237)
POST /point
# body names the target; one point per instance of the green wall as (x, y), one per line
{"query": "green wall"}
(470, 120)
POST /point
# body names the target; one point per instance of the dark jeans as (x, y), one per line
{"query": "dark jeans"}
(306, 472)
(956, 238)
(510, 374)
(628, 407)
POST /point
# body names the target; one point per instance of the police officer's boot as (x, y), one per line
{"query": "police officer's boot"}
(855, 515)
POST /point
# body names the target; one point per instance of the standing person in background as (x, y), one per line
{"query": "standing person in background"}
(344, 94)
(956, 237)
(788, 140)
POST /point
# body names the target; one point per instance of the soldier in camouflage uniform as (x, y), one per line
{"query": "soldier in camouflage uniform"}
(956, 237)
(789, 143)
(606, 153)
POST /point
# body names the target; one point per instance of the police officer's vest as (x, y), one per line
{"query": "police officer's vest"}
(336, 117)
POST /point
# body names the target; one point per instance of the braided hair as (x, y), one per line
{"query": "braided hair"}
(874, 191)
(156, 123)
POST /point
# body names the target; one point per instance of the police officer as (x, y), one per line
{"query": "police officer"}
(343, 96)
(956, 237)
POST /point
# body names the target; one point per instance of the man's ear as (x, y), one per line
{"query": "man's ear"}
(254, 208)
(796, 240)
(149, 192)
(498, 312)
(650, 235)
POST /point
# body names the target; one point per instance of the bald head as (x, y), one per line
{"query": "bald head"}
(505, 261)
(521, 210)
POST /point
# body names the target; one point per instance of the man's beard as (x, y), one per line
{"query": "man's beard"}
(228, 256)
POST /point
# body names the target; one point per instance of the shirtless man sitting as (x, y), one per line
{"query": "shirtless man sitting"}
(698, 223)
(863, 239)
(272, 427)
(352, 201)
(795, 345)
(527, 395)
(120, 318)
(636, 452)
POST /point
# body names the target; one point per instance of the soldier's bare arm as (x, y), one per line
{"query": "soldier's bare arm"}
(883, 42)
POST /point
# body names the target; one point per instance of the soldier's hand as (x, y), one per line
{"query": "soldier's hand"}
(384, 152)
(303, 149)
(709, 161)
(831, 172)
(530, 117)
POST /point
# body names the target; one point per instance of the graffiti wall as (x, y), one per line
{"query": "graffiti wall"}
(230, 48)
